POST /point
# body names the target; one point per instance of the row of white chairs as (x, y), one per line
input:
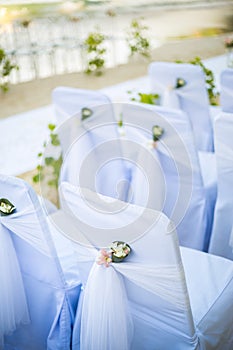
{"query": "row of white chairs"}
(221, 242)
(56, 296)
(191, 98)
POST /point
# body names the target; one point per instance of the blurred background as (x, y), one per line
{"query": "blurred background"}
(46, 38)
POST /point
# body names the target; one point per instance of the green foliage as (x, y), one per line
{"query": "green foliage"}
(152, 99)
(94, 46)
(137, 40)
(120, 121)
(209, 79)
(50, 170)
(6, 66)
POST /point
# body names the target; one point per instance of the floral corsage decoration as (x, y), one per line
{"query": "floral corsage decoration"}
(6, 207)
(157, 133)
(116, 253)
(86, 113)
(180, 82)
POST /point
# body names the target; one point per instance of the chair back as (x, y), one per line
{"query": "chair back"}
(92, 153)
(68, 101)
(182, 85)
(226, 90)
(30, 265)
(222, 234)
(144, 298)
(176, 178)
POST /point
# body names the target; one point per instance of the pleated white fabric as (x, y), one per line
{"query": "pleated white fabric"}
(99, 315)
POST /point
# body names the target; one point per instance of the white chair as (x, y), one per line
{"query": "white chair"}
(38, 299)
(144, 301)
(222, 234)
(92, 153)
(168, 178)
(68, 101)
(183, 86)
(226, 92)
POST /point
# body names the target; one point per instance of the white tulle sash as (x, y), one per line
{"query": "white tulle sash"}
(25, 225)
(13, 303)
(106, 322)
(13, 309)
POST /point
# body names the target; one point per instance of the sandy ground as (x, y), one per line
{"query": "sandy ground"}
(26, 96)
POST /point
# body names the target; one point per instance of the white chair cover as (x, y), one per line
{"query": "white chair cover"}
(14, 309)
(192, 98)
(226, 90)
(210, 285)
(142, 303)
(69, 101)
(92, 154)
(221, 242)
(175, 186)
(37, 304)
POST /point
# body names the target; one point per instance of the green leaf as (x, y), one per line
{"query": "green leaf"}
(36, 178)
(151, 99)
(52, 183)
(39, 167)
(209, 79)
(54, 140)
(6, 66)
(51, 127)
(49, 161)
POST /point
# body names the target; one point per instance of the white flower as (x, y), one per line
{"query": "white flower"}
(120, 250)
(6, 207)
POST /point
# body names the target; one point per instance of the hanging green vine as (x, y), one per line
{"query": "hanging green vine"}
(6, 66)
(95, 50)
(50, 169)
(213, 94)
(137, 39)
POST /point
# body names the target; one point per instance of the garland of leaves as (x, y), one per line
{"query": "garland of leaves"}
(137, 40)
(5, 70)
(209, 79)
(51, 167)
(94, 46)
